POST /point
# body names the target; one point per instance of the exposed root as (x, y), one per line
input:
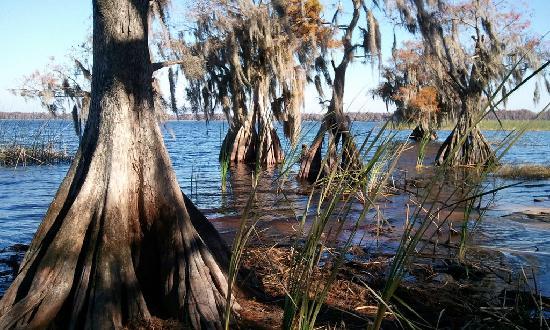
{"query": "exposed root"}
(312, 166)
(475, 149)
(244, 145)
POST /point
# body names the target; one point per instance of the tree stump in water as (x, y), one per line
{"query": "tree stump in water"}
(473, 151)
(245, 145)
(312, 166)
(419, 132)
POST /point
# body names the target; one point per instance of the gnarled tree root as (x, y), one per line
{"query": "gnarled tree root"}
(245, 145)
(474, 151)
(120, 243)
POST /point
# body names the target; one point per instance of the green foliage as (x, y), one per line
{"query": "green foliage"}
(507, 125)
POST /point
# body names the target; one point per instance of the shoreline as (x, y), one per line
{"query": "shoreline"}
(538, 125)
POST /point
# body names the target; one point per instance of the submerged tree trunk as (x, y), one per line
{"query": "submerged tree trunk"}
(118, 243)
(269, 150)
(238, 145)
(336, 125)
(475, 149)
(423, 131)
(249, 143)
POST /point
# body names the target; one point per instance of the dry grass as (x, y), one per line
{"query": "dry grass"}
(39, 154)
(271, 265)
(525, 171)
(441, 291)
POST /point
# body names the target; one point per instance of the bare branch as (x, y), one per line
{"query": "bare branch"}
(87, 74)
(159, 65)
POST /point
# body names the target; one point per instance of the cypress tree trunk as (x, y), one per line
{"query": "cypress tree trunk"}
(336, 125)
(252, 138)
(475, 149)
(243, 145)
(119, 242)
(422, 131)
(269, 150)
(238, 145)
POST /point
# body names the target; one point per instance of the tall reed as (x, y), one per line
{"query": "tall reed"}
(423, 218)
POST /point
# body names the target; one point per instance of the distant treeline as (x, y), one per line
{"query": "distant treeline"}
(522, 114)
(354, 116)
(32, 115)
(65, 116)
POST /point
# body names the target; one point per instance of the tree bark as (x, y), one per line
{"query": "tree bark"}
(336, 125)
(243, 143)
(238, 145)
(268, 145)
(421, 131)
(475, 149)
(118, 243)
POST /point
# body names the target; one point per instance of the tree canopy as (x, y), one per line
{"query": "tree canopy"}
(479, 47)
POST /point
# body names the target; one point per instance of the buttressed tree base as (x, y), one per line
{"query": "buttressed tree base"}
(120, 242)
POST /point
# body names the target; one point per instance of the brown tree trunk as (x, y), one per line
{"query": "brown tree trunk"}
(243, 143)
(118, 243)
(311, 158)
(268, 145)
(336, 125)
(423, 131)
(475, 149)
(239, 144)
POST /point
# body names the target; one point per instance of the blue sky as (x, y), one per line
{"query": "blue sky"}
(32, 32)
(35, 30)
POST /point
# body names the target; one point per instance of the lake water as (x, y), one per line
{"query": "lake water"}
(26, 191)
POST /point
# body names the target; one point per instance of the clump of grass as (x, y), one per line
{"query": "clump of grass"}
(37, 154)
(40, 146)
(336, 194)
(524, 172)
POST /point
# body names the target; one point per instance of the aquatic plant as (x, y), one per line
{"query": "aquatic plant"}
(524, 172)
(31, 148)
(334, 195)
(38, 154)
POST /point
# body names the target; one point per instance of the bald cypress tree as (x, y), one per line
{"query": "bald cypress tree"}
(409, 83)
(479, 44)
(254, 59)
(341, 150)
(120, 242)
